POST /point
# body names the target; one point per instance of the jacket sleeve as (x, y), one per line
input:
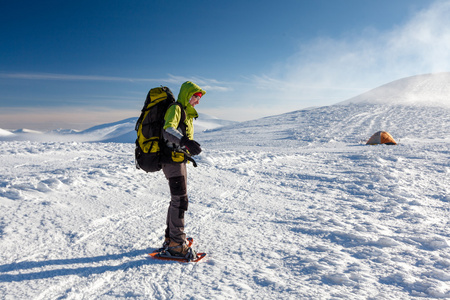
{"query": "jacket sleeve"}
(172, 120)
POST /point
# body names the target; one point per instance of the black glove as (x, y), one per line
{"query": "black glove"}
(192, 146)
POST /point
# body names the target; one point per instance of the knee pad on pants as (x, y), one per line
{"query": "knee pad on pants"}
(178, 186)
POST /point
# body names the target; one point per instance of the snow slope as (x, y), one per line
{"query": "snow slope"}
(293, 206)
(420, 90)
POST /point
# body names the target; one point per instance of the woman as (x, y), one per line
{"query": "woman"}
(179, 135)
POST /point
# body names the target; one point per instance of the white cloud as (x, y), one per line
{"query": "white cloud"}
(328, 70)
(206, 83)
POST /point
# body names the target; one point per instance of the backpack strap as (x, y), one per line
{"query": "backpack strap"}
(181, 125)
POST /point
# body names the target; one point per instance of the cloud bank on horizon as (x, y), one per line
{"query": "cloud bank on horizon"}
(323, 71)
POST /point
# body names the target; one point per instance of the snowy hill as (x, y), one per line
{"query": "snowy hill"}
(411, 109)
(27, 131)
(116, 132)
(338, 124)
(292, 206)
(4, 133)
(421, 90)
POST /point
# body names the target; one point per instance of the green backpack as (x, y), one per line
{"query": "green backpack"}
(149, 153)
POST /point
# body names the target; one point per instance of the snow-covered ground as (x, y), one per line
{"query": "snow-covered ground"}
(293, 206)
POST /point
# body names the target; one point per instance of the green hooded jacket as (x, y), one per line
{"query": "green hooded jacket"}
(173, 114)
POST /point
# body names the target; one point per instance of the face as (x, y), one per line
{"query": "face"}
(194, 100)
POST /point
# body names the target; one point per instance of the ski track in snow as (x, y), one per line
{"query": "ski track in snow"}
(287, 207)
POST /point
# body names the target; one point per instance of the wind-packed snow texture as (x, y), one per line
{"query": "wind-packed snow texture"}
(293, 206)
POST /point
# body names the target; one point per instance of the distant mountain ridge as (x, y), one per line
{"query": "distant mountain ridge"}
(116, 132)
(4, 133)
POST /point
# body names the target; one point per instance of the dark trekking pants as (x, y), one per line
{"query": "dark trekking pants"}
(177, 177)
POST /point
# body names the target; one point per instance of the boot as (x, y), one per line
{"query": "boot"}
(166, 243)
(181, 250)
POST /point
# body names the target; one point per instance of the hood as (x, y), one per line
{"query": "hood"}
(186, 91)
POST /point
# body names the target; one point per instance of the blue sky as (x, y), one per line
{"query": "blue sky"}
(75, 64)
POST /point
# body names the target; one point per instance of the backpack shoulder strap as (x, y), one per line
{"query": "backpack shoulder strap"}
(181, 125)
(183, 112)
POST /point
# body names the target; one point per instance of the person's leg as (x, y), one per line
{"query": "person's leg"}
(177, 177)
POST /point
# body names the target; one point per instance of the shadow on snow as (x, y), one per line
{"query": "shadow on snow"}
(80, 271)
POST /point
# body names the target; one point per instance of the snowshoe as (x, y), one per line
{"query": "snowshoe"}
(178, 252)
